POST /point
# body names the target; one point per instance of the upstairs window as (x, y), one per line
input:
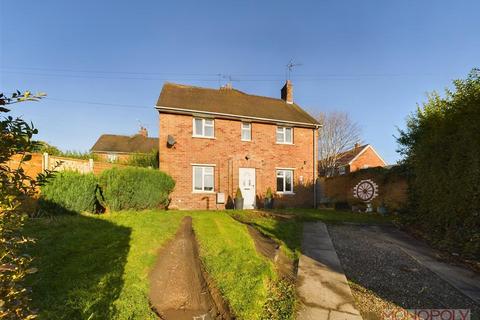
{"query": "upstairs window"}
(285, 135)
(203, 128)
(285, 181)
(246, 131)
(112, 157)
(203, 179)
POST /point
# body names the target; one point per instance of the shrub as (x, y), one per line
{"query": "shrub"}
(239, 195)
(135, 188)
(69, 192)
(145, 160)
(441, 146)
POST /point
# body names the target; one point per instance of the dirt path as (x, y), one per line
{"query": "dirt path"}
(271, 250)
(178, 289)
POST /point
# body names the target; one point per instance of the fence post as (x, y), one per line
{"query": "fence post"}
(45, 161)
(90, 162)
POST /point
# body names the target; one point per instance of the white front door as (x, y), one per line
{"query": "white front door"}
(247, 186)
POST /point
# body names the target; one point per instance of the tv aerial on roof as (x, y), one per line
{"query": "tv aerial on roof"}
(289, 68)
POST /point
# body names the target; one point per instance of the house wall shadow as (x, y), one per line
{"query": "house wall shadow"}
(80, 261)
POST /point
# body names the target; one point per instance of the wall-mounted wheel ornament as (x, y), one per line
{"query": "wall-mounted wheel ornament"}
(365, 190)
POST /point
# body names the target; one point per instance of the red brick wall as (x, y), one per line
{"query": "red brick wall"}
(369, 159)
(392, 191)
(99, 166)
(228, 153)
(121, 157)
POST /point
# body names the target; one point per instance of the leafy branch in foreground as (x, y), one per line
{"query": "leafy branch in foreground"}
(15, 187)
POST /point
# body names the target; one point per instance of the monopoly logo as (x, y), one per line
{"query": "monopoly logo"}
(427, 314)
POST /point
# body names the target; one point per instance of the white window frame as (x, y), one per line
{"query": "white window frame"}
(249, 129)
(283, 130)
(112, 157)
(204, 124)
(202, 167)
(284, 181)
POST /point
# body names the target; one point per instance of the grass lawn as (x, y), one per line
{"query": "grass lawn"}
(229, 255)
(96, 267)
(287, 232)
(333, 216)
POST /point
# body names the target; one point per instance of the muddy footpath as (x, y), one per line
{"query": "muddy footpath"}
(180, 289)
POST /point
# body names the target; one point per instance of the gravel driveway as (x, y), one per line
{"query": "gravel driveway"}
(382, 276)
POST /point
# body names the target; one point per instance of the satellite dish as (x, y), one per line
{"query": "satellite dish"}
(170, 141)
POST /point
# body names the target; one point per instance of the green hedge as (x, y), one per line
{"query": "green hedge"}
(442, 148)
(69, 192)
(135, 188)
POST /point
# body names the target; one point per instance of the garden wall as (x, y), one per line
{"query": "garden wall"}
(392, 188)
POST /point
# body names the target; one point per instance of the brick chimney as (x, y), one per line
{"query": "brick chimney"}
(287, 92)
(143, 132)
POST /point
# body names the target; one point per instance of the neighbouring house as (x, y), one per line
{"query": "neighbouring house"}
(213, 141)
(359, 157)
(117, 148)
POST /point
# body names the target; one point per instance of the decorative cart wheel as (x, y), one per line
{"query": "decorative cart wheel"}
(365, 190)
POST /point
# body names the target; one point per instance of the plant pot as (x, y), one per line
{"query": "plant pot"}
(382, 210)
(268, 203)
(239, 203)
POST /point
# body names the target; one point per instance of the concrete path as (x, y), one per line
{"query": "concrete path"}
(464, 280)
(322, 286)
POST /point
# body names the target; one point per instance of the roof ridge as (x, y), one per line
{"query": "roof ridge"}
(232, 101)
(125, 136)
(220, 90)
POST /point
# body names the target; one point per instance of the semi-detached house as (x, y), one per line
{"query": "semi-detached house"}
(212, 141)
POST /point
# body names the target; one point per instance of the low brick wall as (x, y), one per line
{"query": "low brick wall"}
(392, 188)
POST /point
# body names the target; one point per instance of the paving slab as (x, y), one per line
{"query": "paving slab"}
(322, 287)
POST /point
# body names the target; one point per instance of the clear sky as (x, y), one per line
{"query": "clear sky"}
(103, 63)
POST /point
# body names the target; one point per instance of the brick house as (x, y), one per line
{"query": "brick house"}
(118, 148)
(359, 157)
(215, 140)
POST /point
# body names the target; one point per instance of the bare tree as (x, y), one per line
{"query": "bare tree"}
(338, 134)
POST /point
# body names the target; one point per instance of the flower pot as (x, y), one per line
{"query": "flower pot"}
(268, 203)
(382, 210)
(239, 203)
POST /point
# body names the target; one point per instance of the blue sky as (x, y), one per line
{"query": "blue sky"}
(103, 63)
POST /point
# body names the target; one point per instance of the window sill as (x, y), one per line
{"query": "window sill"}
(285, 143)
(204, 137)
(286, 193)
(246, 140)
(203, 192)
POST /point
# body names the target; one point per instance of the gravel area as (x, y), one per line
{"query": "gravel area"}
(382, 276)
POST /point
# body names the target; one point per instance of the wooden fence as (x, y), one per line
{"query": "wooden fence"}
(40, 162)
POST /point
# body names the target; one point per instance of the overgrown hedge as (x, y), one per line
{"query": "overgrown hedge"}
(115, 189)
(135, 188)
(69, 192)
(442, 148)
